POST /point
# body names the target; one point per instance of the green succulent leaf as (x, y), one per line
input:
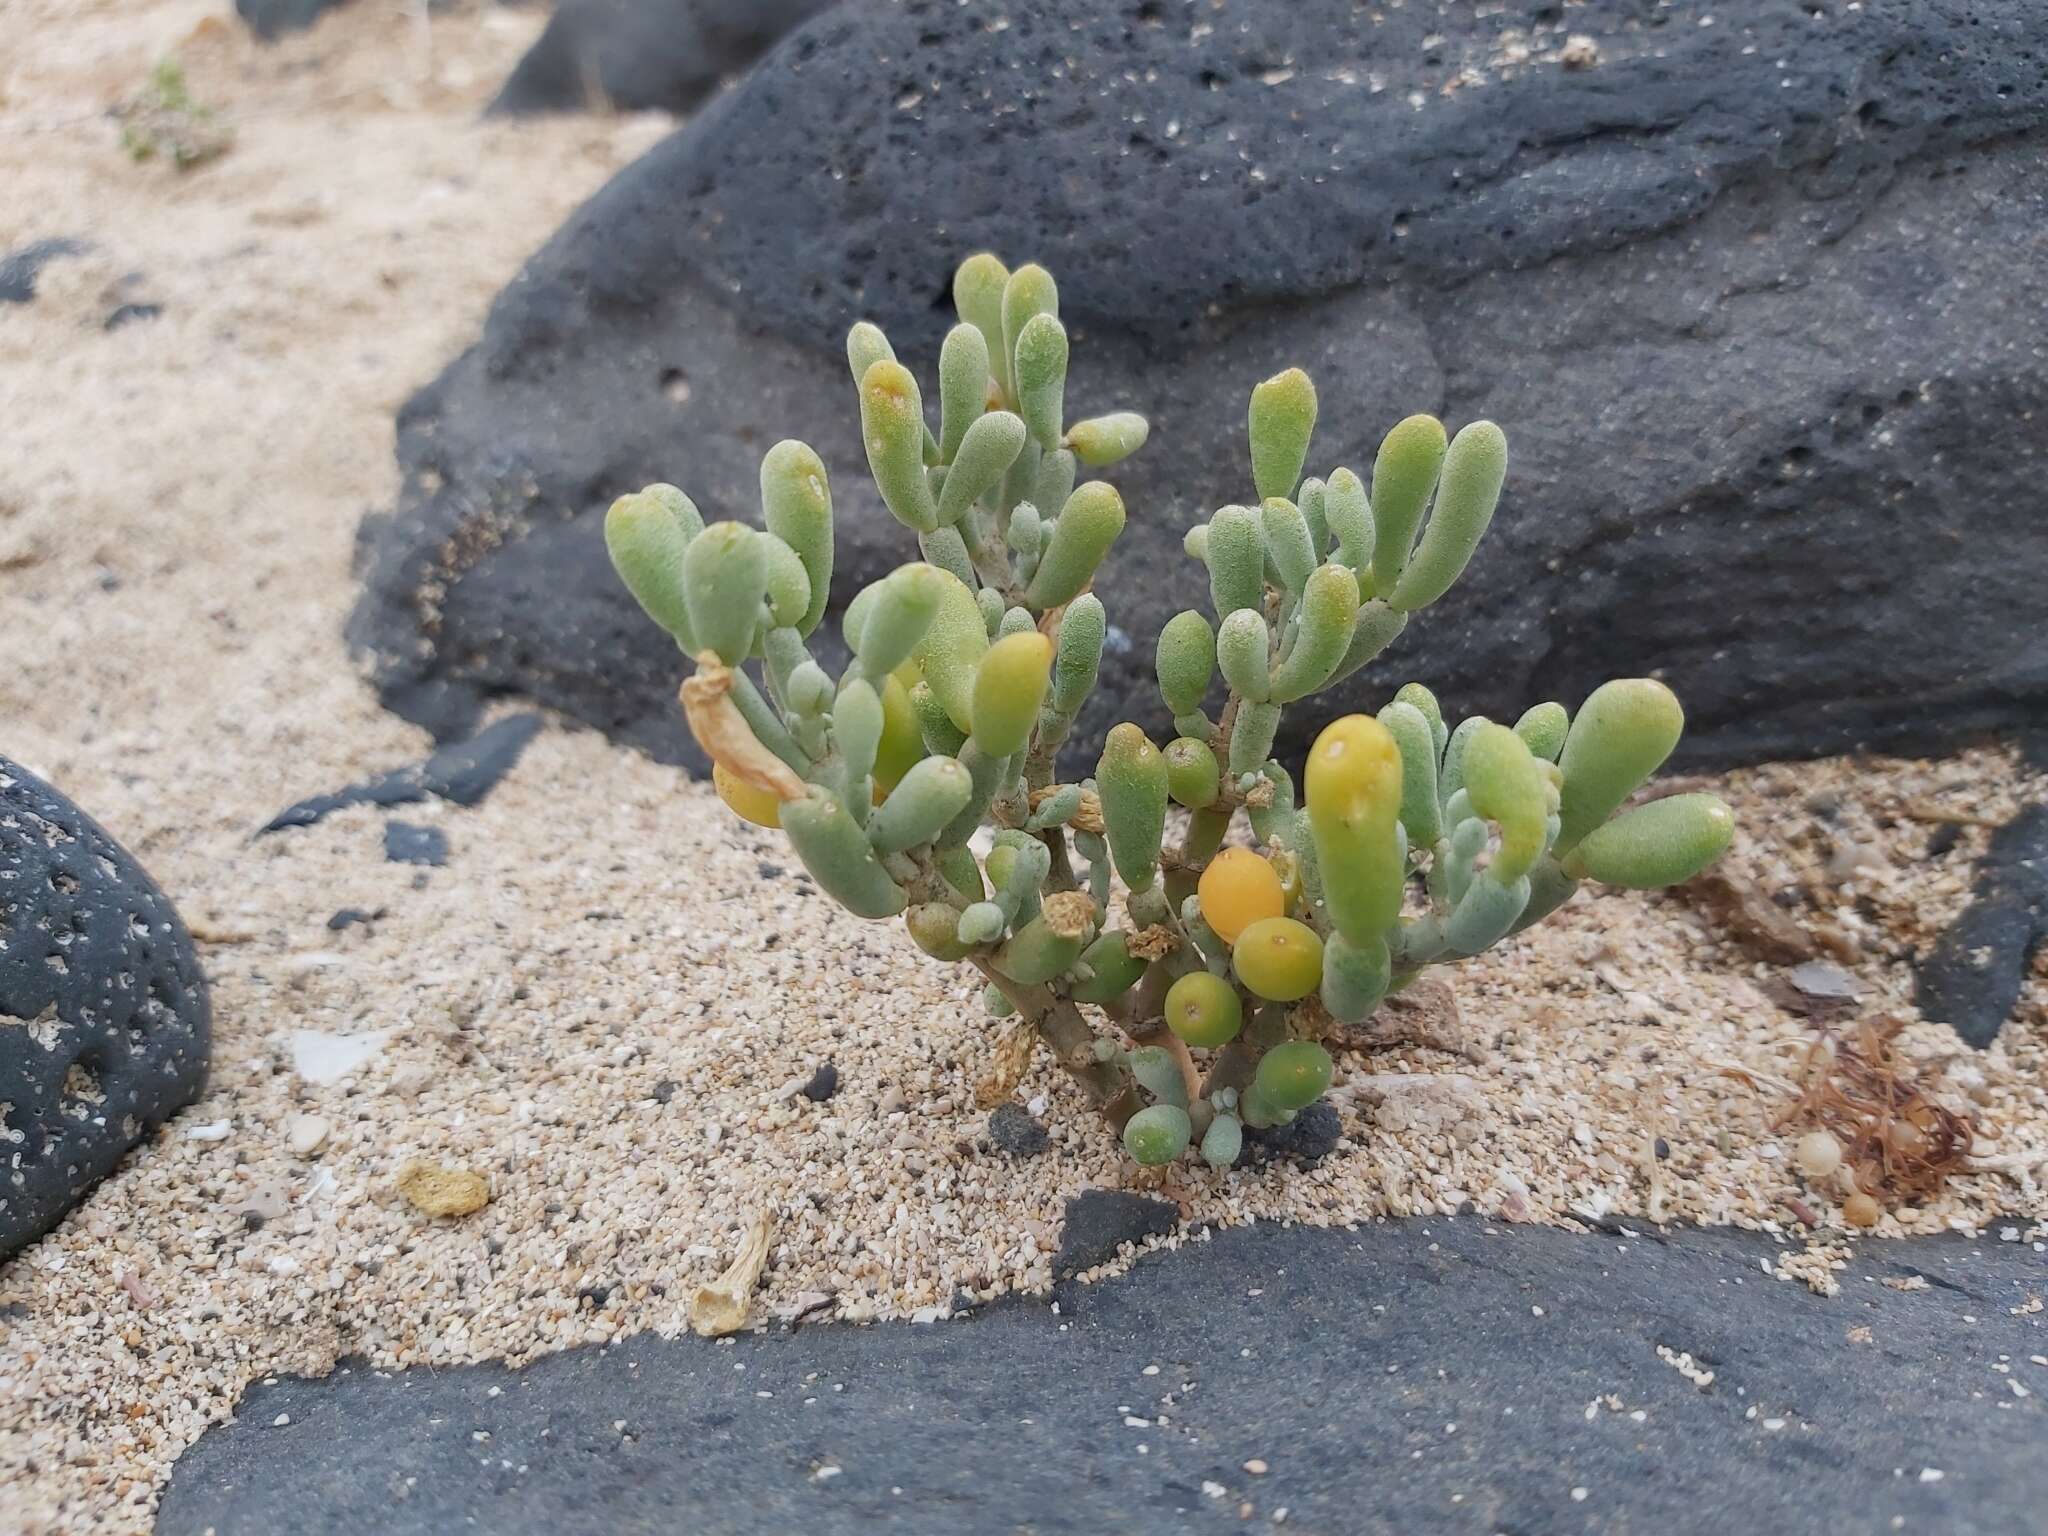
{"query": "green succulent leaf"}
(1324, 626)
(1622, 735)
(648, 536)
(1474, 469)
(1281, 419)
(1186, 659)
(725, 578)
(963, 387)
(1236, 555)
(987, 450)
(1405, 472)
(1662, 843)
(1130, 780)
(978, 287)
(1041, 367)
(1089, 524)
(834, 848)
(892, 427)
(796, 506)
(1243, 653)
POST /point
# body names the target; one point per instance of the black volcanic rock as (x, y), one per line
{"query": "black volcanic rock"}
(1972, 977)
(271, 19)
(1757, 302)
(641, 54)
(104, 1017)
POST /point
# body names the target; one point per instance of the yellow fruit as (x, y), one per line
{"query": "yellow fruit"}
(1278, 959)
(1238, 889)
(747, 802)
(1204, 1009)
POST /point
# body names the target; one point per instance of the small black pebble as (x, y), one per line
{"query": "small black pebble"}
(769, 871)
(1944, 840)
(1662, 1149)
(348, 916)
(823, 1084)
(405, 843)
(665, 1090)
(597, 1295)
(1011, 1127)
(128, 313)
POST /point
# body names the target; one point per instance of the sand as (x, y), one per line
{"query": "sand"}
(604, 1006)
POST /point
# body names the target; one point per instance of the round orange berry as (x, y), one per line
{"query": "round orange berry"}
(1238, 889)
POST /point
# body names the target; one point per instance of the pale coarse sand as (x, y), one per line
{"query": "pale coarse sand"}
(606, 1002)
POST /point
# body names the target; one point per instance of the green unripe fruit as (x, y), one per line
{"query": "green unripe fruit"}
(1243, 650)
(1087, 526)
(930, 795)
(1009, 686)
(1158, 1134)
(796, 506)
(1041, 366)
(1280, 421)
(1279, 959)
(892, 428)
(1130, 780)
(1103, 440)
(1403, 475)
(934, 928)
(1204, 1010)
(1294, 1075)
(1192, 777)
(1116, 970)
(648, 537)
(1655, 845)
(1542, 729)
(834, 848)
(1236, 555)
(1186, 659)
(1622, 735)
(978, 299)
(963, 386)
(987, 451)
(1355, 978)
(725, 578)
(1474, 469)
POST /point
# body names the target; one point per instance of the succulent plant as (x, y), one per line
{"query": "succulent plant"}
(1190, 1004)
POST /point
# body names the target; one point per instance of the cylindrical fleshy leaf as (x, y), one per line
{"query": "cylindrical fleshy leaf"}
(961, 872)
(902, 738)
(1311, 498)
(963, 387)
(1243, 653)
(990, 446)
(1009, 686)
(867, 345)
(945, 548)
(1622, 735)
(978, 299)
(1275, 819)
(1474, 470)
(1157, 1134)
(1050, 942)
(1158, 1073)
(1375, 631)
(1029, 292)
(1288, 544)
(1130, 780)
(1223, 1141)
(1353, 789)
(1116, 970)
(1506, 786)
(857, 723)
(1421, 814)
(1251, 738)
(981, 923)
(648, 537)
(1041, 370)
(1655, 845)
(951, 650)
(1083, 627)
(1053, 482)
(1087, 526)
(1403, 475)
(789, 584)
(899, 616)
(1355, 977)
(1324, 625)
(940, 735)
(1103, 440)
(1349, 516)
(1542, 729)
(1486, 913)
(725, 577)
(932, 793)
(1452, 779)
(1424, 700)
(1236, 556)
(796, 506)
(1281, 419)
(1192, 776)
(892, 428)
(1186, 659)
(834, 848)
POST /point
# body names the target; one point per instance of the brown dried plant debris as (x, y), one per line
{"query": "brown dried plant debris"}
(1898, 1144)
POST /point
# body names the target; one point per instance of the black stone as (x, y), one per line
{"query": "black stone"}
(271, 19)
(1011, 1127)
(823, 1084)
(128, 314)
(1098, 1221)
(665, 1090)
(1363, 1347)
(637, 55)
(1972, 977)
(105, 1024)
(462, 772)
(405, 843)
(1737, 293)
(1305, 1140)
(19, 269)
(348, 917)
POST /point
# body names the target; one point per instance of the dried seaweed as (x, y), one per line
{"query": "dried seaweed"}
(1898, 1144)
